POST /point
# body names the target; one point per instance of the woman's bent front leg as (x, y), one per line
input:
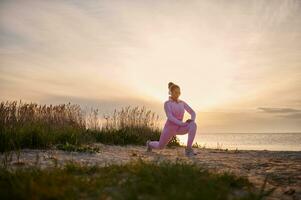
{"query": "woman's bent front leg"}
(190, 128)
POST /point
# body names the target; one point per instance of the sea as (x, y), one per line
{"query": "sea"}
(248, 141)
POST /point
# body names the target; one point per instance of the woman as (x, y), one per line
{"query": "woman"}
(174, 109)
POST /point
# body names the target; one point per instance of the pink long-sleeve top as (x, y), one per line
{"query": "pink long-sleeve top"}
(175, 111)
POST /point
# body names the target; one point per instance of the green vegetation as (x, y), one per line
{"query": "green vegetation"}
(29, 125)
(134, 180)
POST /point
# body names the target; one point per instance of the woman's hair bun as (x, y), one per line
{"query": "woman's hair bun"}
(170, 84)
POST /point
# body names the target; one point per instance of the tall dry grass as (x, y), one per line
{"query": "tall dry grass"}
(133, 117)
(14, 115)
(130, 125)
(29, 125)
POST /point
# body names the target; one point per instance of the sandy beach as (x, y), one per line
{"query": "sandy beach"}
(283, 168)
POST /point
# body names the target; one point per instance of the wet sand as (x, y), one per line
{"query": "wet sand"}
(282, 168)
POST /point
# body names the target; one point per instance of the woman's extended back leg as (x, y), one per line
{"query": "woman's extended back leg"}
(165, 137)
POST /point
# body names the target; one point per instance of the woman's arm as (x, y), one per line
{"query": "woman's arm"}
(189, 110)
(170, 116)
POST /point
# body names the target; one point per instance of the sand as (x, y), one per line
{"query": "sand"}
(283, 168)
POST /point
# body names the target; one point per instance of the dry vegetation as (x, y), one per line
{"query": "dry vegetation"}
(29, 125)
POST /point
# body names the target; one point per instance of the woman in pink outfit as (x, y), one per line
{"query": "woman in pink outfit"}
(174, 109)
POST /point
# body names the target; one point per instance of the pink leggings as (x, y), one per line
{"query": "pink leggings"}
(170, 130)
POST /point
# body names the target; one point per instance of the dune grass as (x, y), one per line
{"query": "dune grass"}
(29, 125)
(138, 179)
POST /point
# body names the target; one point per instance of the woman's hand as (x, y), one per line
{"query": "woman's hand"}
(189, 120)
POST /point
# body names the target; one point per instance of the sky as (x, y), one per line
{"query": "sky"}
(238, 63)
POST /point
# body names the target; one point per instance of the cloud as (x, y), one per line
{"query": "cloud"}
(288, 113)
(279, 110)
(292, 116)
(247, 121)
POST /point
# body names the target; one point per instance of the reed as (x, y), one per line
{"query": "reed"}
(30, 125)
(131, 126)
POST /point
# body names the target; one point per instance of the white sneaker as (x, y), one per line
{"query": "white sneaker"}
(149, 148)
(189, 152)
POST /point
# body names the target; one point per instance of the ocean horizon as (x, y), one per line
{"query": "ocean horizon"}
(281, 141)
